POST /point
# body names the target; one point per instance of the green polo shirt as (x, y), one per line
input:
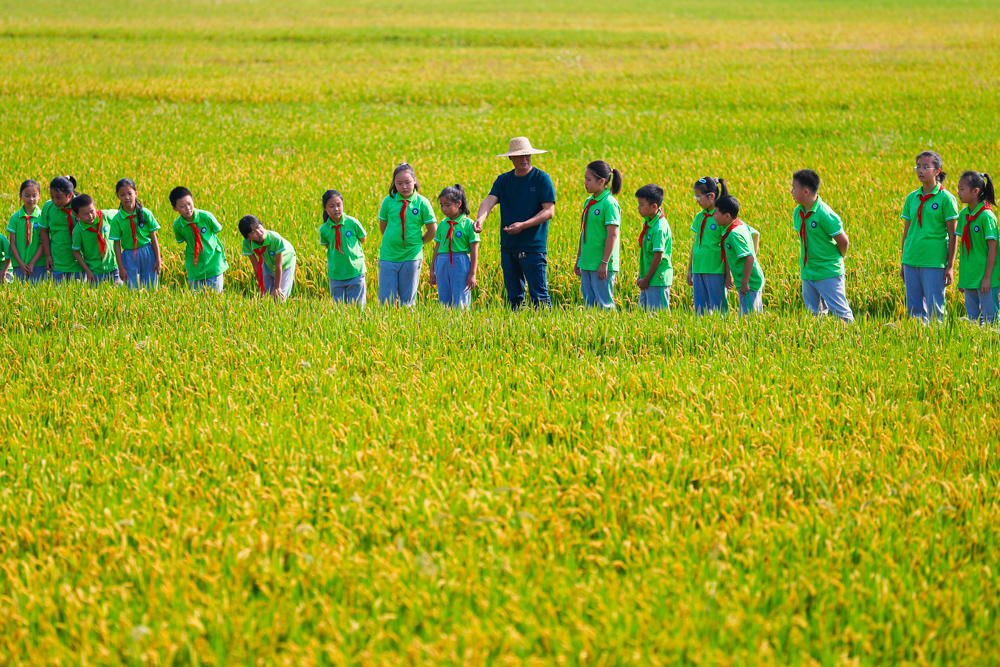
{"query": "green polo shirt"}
(926, 244)
(212, 257)
(89, 245)
(4, 251)
(657, 239)
(465, 234)
(275, 243)
(972, 262)
(706, 255)
(418, 212)
(739, 244)
(59, 223)
(348, 262)
(18, 226)
(821, 225)
(604, 211)
(121, 228)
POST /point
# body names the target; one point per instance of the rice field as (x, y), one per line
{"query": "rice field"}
(190, 479)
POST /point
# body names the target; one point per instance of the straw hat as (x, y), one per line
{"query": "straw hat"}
(521, 146)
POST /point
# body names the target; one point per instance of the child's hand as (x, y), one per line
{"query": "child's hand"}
(602, 271)
(744, 289)
(470, 282)
(278, 294)
(157, 265)
(949, 276)
(91, 278)
(48, 264)
(985, 287)
(432, 279)
(902, 273)
(729, 282)
(577, 272)
(689, 279)
(642, 283)
(123, 275)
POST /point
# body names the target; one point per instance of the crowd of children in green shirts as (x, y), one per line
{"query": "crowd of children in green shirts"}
(73, 240)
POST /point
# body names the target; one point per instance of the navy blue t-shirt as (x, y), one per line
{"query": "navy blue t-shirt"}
(521, 199)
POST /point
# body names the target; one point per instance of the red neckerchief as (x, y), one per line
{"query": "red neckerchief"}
(97, 230)
(336, 243)
(260, 264)
(704, 219)
(27, 230)
(402, 216)
(197, 241)
(920, 209)
(802, 234)
(451, 236)
(583, 218)
(966, 234)
(135, 238)
(69, 219)
(722, 242)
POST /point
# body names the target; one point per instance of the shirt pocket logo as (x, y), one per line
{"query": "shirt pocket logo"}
(935, 206)
(597, 211)
(415, 211)
(204, 230)
(458, 234)
(976, 228)
(814, 225)
(712, 227)
(348, 233)
(142, 224)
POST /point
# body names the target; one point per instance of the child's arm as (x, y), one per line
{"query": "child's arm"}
(122, 273)
(689, 279)
(643, 281)
(727, 276)
(430, 231)
(86, 269)
(17, 255)
(902, 246)
(747, 270)
(433, 276)
(949, 265)
(470, 282)
(991, 259)
(158, 262)
(278, 270)
(579, 251)
(43, 240)
(4, 268)
(842, 243)
(756, 241)
(609, 249)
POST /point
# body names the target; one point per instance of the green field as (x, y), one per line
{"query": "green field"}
(196, 480)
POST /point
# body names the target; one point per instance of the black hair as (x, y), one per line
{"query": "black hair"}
(712, 186)
(247, 223)
(64, 185)
(327, 196)
(604, 171)
(129, 183)
(936, 161)
(728, 205)
(79, 201)
(398, 170)
(179, 193)
(652, 193)
(27, 184)
(808, 179)
(456, 195)
(983, 183)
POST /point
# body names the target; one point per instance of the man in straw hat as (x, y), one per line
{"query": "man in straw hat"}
(527, 202)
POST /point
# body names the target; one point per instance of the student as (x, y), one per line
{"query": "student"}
(203, 252)
(705, 272)
(91, 243)
(928, 262)
(133, 230)
(979, 272)
(25, 241)
(272, 256)
(597, 255)
(5, 257)
(344, 238)
(823, 245)
(455, 273)
(400, 219)
(55, 227)
(739, 255)
(656, 272)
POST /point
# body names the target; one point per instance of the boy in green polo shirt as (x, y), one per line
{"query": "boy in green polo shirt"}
(343, 237)
(739, 255)
(203, 252)
(706, 275)
(25, 239)
(454, 273)
(979, 273)
(272, 256)
(823, 244)
(91, 243)
(656, 272)
(597, 257)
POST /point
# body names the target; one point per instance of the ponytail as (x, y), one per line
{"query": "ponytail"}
(611, 177)
(456, 195)
(989, 194)
(65, 185)
(712, 186)
(983, 183)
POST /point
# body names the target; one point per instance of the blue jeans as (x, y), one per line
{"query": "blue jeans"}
(451, 279)
(655, 297)
(399, 280)
(287, 280)
(710, 293)
(38, 274)
(525, 267)
(750, 302)
(354, 290)
(109, 277)
(924, 291)
(825, 295)
(68, 276)
(598, 293)
(138, 264)
(979, 306)
(213, 284)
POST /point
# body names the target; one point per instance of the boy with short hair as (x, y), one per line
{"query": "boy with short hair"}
(204, 256)
(656, 272)
(273, 258)
(823, 244)
(91, 244)
(739, 255)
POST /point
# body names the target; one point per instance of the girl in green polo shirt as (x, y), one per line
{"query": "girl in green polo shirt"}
(344, 238)
(406, 220)
(133, 230)
(454, 271)
(25, 242)
(273, 258)
(55, 227)
(597, 255)
(978, 271)
(705, 270)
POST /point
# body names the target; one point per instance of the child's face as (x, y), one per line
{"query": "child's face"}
(29, 197)
(801, 195)
(705, 199)
(86, 214)
(185, 207)
(405, 184)
(926, 171)
(334, 208)
(60, 199)
(450, 208)
(967, 195)
(647, 209)
(592, 183)
(127, 197)
(724, 219)
(257, 234)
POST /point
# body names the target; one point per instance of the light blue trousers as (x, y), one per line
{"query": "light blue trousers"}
(452, 278)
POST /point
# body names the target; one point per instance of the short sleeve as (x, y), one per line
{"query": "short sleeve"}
(116, 228)
(360, 228)
(322, 235)
(660, 239)
(737, 243)
(150, 220)
(906, 215)
(426, 212)
(43, 219)
(77, 237)
(547, 192)
(179, 231)
(383, 211)
(832, 224)
(214, 225)
(440, 234)
(990, 226)
(795, 219)
(247, 251)
(497, 189)
(950, 207)
(471, 231)
(12, 224)
(613, 214)
(694, 223)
